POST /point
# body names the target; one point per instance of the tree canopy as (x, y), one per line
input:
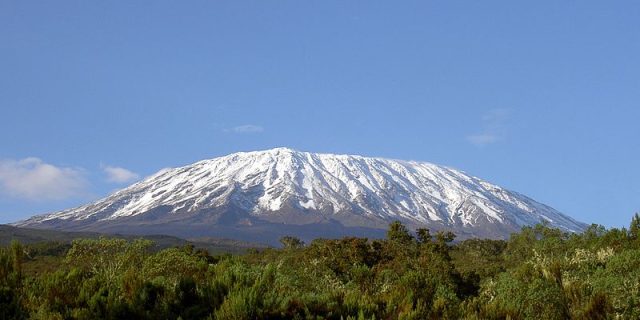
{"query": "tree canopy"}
(539, 273)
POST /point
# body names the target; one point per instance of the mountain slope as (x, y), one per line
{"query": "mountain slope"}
(286, 190)
(32, 236)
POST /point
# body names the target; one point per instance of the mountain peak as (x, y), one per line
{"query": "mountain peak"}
(284, 186)
(277, 150)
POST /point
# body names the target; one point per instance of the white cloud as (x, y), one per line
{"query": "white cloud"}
(33, 179)
(246, 128)
(493, 128)
(482, 139)
(119, 175)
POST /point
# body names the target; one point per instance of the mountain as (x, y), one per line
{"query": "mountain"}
(262, 195)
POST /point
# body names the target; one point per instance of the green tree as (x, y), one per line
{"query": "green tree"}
(424, 235)
(634, 228)
(11, 304)
(397, 232)
(108, 258)
(289, 242)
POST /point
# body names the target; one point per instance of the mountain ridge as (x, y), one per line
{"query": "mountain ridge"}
(283, 186)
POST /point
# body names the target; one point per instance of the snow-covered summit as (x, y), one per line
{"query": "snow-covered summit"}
(282, 185)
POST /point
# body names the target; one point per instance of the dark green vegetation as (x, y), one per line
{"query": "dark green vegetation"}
(212, 245)
(539, 273)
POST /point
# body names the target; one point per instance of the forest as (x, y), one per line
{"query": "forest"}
(538, 273)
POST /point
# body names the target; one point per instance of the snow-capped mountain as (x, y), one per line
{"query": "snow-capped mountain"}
(283, 191)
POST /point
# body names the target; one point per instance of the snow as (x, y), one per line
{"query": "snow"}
(309, 204)
(267, 180)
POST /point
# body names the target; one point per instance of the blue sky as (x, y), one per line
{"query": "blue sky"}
(541, 97)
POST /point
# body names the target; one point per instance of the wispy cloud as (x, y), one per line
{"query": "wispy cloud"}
(119, 175)
(482, 139)
(35, 180)
(246, 128)
(493, 130)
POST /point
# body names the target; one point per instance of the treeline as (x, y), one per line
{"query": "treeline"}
(539, 273)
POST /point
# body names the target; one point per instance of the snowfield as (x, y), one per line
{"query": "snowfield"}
(267, 183)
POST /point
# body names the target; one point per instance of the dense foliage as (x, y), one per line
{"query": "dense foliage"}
(539, 273)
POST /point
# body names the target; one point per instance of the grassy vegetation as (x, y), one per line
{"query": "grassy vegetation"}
(539, 273)
(40, 236)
